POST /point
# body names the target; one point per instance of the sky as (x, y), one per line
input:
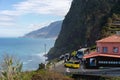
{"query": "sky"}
(18, 17)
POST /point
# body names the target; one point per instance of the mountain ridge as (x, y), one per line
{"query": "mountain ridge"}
(50, 31)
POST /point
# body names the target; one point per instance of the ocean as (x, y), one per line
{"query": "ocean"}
(28, 50)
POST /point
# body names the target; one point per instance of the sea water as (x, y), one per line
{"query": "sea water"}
(28, 50)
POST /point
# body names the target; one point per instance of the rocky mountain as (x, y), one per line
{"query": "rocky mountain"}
(86, 22)
(50, 31)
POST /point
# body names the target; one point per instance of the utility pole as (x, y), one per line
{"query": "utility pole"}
(45, 48)
(45, 55)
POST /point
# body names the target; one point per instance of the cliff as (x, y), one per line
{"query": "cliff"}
(84, 24)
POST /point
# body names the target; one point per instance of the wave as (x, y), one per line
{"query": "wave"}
(30, 60)
(40, 54)
(27, 62)
(24, 63)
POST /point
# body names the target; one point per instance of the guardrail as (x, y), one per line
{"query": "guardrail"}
(104, 72)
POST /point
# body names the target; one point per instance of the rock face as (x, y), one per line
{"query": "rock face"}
(50, 31)
(83, 25)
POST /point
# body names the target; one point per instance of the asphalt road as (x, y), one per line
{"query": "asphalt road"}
(104, 72)
(61, 68)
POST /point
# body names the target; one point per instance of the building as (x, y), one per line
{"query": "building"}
(107, 53)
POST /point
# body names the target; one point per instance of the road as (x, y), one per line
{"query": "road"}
(99, 72)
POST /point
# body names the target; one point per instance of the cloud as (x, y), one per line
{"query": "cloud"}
(59, 7)
(6, 24)
(8, 17)
(5, 18)
(53, 7)
(7, 21)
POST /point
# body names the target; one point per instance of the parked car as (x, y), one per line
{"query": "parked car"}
(62, 57)
(67, 57)
(72, 64)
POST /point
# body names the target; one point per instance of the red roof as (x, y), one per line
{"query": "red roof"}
(95, 54)
(113, 38)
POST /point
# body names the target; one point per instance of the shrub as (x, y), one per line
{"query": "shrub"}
(11, 68)
(41, 66)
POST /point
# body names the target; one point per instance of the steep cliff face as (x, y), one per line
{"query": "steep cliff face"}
(83, 24)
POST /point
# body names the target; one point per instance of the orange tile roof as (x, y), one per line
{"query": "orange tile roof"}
(95, 54)
(113, 38)
(92, 54)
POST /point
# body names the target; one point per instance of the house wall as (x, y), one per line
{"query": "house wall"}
(109, 46)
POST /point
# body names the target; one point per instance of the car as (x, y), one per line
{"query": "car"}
(61, 57)
(72, 64)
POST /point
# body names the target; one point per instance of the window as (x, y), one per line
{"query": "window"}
(115, 49)
(98, 49)
(105, 49)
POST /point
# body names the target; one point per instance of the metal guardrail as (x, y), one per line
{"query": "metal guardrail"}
(104, 72)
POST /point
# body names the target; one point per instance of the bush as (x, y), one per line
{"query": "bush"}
(11, 68)
(49, 75)
(41, 66)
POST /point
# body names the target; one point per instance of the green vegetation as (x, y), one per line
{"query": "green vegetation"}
(111, 26)
(41, 66)
(43, 75)
(114, 78)
(86, 22)
(40, 75)
(12, 70)
(74, 53)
